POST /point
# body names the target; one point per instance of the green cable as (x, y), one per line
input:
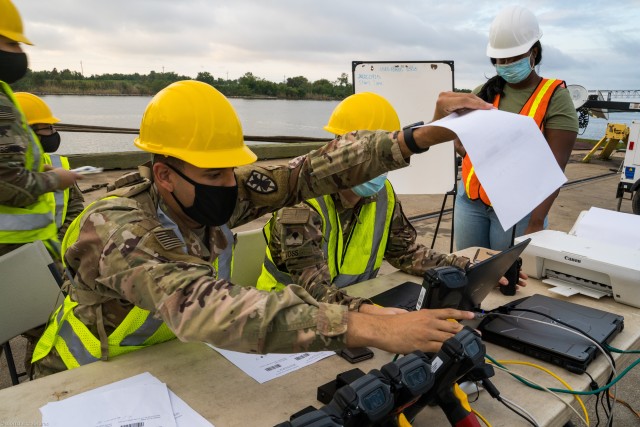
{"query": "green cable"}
(561, 390)
(617, 350)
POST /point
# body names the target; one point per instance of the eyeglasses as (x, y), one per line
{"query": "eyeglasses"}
(46, 129)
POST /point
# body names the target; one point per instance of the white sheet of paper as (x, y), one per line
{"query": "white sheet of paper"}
(265, 367)
(184, 415)
(603, 225)
(510, 157)
(138, 405)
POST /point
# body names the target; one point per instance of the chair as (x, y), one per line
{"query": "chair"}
(248, 257)
(29, 292)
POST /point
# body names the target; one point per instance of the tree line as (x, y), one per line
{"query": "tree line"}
(67, 82)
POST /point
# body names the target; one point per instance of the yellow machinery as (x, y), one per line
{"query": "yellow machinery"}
(616, 133)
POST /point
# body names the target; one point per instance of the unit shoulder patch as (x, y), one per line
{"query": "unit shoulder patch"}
(168, 239)
(297, 253)
(294, 215)
(261, 183)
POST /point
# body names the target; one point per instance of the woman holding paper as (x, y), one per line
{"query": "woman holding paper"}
(514, 48)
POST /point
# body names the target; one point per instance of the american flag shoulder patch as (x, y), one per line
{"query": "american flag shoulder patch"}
(168, 239)
(6, 113)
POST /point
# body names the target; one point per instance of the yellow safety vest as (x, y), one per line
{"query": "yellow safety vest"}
(77, 345)
(353, 261)
(61, 198)
(36, 221)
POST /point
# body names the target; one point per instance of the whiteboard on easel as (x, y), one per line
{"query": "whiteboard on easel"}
(412, 88)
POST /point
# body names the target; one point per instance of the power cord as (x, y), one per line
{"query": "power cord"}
(518, 410)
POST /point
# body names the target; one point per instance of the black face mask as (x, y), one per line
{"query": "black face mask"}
(213, 205)
(50, 143)
(13, 66)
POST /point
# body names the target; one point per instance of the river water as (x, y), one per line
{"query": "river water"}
(259, 117)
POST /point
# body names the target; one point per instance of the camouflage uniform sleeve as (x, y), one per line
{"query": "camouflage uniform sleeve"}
(296, 248)
(19, 186)
(405, 254)
(344, 162)
(74, 208)
(120, 256)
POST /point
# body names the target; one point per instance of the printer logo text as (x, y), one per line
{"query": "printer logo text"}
(568, 258)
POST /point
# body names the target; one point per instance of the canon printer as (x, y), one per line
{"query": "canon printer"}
(579, 265)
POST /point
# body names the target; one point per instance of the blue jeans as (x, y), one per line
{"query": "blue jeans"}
(476, 224)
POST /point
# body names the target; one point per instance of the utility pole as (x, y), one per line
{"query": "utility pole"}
(81, 69)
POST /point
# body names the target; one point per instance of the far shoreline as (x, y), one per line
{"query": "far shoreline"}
(151, 95)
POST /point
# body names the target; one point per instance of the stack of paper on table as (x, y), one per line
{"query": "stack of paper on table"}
(142, 400)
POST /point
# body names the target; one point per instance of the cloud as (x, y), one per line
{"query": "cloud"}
(591, 43)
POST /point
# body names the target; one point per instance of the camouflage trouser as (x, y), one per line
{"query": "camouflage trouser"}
(32, 336)
(50, 364)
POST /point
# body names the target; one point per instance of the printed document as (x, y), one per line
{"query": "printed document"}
(616, 228)
(265, 367)
(141, 400)
(511, 159)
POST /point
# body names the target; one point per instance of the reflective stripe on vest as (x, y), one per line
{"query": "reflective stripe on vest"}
(351, 262)
(361, 261)
(224, 262)
(36, 221)
(536, 108)
(61, 197)
(77, 345)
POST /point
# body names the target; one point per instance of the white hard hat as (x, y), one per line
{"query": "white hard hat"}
(512, 32)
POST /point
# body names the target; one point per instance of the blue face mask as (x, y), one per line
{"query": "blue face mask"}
(370, 188)
(516, 71)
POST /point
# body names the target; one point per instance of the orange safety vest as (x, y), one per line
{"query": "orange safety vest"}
(536, 108)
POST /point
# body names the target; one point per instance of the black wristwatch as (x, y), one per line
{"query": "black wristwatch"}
(411, 142)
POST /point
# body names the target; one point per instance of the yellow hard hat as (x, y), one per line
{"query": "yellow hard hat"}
(11, 23)
(363, 111)
(35, 109)
(192, 121)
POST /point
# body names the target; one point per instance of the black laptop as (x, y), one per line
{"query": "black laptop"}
(481, 279)
(548, 343)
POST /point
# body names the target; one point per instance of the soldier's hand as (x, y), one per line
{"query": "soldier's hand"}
(522, 280)
(376, 309)
(450, 102)
(424, 330)
(66, 178)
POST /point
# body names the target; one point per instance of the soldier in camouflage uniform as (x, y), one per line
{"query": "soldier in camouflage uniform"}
(147, 254)
(300, 249)
(25, 186)
(26, 199)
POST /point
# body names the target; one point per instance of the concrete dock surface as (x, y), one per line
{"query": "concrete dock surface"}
(572, 200)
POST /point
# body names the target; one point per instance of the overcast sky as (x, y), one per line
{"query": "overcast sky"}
(592, 43)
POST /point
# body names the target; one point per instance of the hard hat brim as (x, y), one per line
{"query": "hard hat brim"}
(510, 52)
(334, 131)
(48, 120)
(221, 158)
(17, 37)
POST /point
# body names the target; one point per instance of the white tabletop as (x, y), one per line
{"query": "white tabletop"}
(227, 397)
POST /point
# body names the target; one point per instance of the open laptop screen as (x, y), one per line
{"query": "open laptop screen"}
(481, 278)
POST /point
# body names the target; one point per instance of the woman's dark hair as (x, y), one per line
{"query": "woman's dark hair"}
(495, 85)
